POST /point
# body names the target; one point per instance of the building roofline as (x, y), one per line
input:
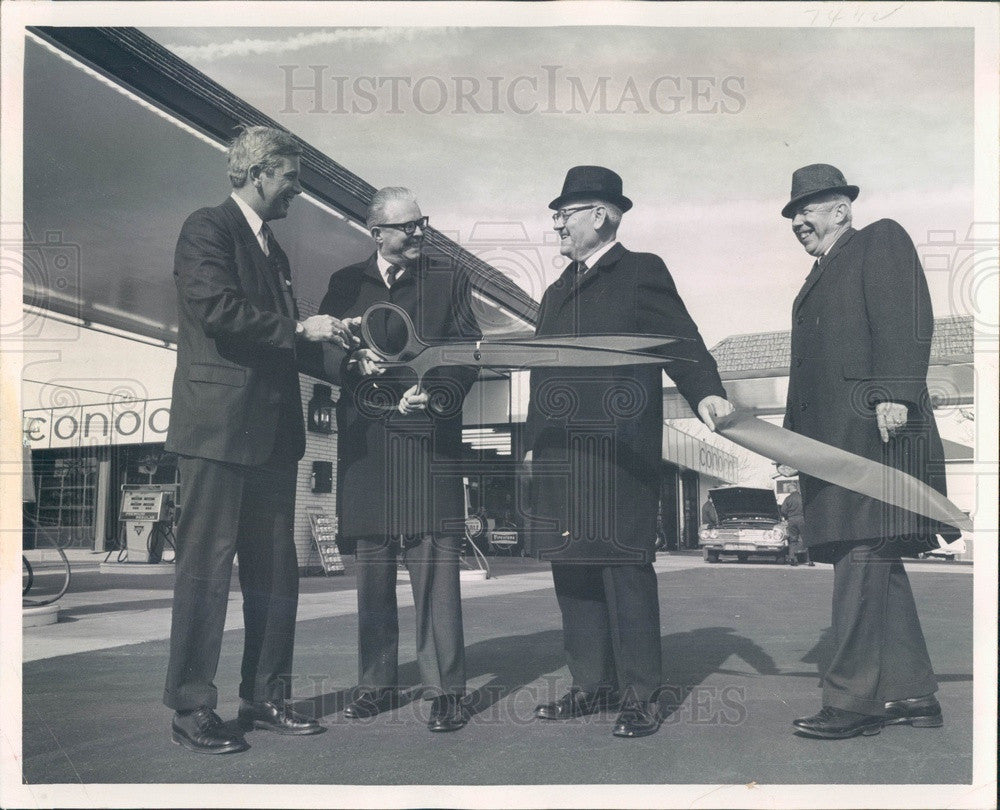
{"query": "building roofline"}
(136, 61)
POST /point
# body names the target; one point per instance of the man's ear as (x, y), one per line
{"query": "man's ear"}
(254, 173)
(376, 232)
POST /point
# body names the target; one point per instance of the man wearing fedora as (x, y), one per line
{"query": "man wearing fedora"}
(593, 445)
(861, 335)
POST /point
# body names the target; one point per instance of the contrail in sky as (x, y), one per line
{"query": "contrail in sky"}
(239, 48)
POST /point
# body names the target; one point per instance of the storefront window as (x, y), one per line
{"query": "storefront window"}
(65, 504)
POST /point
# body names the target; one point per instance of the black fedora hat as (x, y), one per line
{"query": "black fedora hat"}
(814, 179)
(592, 183)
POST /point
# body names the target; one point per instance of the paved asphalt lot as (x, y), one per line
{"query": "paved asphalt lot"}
(742, 644)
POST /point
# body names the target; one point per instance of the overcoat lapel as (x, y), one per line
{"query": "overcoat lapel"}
(572, 285)
(822, 267)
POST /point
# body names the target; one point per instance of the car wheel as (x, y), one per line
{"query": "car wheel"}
(712, 556)
(742, 557)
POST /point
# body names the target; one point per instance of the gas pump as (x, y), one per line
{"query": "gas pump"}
(147, 512)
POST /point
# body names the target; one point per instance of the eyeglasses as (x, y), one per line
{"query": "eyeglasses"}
(563, 214)
(409, 228)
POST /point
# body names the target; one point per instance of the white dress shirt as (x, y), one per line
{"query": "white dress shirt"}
(254, 221)
(383, 268)
(583, 265)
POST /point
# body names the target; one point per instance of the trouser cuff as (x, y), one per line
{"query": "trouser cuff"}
(188, 702)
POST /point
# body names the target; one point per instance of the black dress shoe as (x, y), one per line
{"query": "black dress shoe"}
(202, 731)
(919, 712)
(447, 713)
(838, 724)
(577, 703)
(370, 702)
(276, 716)
(638, 718)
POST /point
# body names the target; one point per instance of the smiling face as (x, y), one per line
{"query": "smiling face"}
(577, 227)
(393, 243)
(276, 188)
(818, 223)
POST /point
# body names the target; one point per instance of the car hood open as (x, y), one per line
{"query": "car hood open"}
(744, 502)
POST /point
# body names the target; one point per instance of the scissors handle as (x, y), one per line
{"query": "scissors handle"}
(413, 346)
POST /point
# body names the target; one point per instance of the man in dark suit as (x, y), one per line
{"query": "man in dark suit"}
(593, 441)
(861, 335)
(399, 492)
(236, 425)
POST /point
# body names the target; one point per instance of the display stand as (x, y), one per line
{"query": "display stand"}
(324, 535)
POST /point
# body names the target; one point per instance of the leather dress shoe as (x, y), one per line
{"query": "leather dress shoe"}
(276, 716)
(838, 724)
(369, 703)
(202, 731)
(447, 713)
(919, 712)
(638, 718)
(577, 703)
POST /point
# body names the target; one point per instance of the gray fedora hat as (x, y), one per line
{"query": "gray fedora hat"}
(592, 183)
(815, 179)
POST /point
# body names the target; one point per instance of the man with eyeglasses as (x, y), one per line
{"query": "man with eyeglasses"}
(399, 495)
(861, 335)
(593, 444)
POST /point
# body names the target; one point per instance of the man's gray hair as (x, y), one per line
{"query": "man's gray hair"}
(382, 197)
(263, 146)
(614, 214)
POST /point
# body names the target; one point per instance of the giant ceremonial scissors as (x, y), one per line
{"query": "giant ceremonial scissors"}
(414, 353)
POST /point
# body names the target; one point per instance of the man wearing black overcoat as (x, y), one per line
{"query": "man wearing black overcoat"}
(399, 489)
(861, 336)
(594, 440)
(236, 426)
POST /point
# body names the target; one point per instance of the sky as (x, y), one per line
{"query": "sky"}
(705, 125)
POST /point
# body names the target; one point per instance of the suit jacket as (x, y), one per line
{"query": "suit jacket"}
(861, 334)
(236, 386)
(399, 474)
(597, 433)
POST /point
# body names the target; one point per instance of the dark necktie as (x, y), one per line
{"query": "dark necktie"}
(277, 267)
(393, 273)
(267, 237)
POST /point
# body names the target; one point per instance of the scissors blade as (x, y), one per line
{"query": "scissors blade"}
(624, 343)
(528, 356)
(847, 470)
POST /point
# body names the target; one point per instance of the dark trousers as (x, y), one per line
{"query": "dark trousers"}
(880, 651)
(228, 509)
(611, 626)
(432, 562)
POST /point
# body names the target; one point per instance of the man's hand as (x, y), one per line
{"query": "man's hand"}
(354, 324)
(788, 472)
(365, 362)
(318, 328)
(526, 463)
(891, 418)
(712, 408)
(414, 399)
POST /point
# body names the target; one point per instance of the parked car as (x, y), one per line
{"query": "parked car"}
(748, 523)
